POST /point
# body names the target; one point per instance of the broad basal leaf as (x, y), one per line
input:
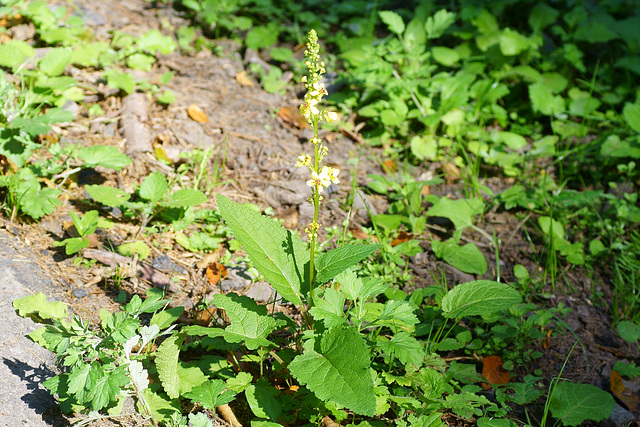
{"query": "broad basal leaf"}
(278, 254)
(167, 364)
(105, 156)
(574, 403)
(263, 404)
(184, 198)
(153, 187)
(109, 196)
(335, 261)
(55, 61)
(211, 394)
(250, 323)
(460, 212)
(478, 298)
(338, 370)
(467, 258)
(405, 348)
(37, 304)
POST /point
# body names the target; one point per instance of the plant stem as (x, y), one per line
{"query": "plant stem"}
(316, 206)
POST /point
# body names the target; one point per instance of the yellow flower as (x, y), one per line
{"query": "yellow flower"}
(332, 173)
(303, 160)
(321, 180)
(331, 116)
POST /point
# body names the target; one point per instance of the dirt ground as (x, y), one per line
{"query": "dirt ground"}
(260, 150)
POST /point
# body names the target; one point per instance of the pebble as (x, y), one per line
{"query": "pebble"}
(619, 417)
(80, 293)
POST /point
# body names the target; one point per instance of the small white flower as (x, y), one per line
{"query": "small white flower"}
(331, 116)
(320, 181)
(303, 160)
(332, 173)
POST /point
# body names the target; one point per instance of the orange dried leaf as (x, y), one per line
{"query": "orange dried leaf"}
(243, 79)
(390, 166)
(292, 116)
(451, 173)
(493, 371)
(215, 272)
(197, 114)
(622, 393)
(403, 236)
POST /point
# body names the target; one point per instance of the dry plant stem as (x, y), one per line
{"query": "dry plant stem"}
(227, 414)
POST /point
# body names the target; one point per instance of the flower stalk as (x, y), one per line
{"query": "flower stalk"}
(322, 176)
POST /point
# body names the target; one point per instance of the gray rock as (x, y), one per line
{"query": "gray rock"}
(619, 417)
(289, 193)
(80, 293)
(359, 205)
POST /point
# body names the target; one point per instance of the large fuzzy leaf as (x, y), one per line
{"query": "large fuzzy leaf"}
(338, 369)
(277, 253)
(335, 261)
(167, 364)
(478, 298)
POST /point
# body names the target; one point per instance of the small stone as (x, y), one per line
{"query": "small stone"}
(80, 293)
(619, 417)
(261, 292)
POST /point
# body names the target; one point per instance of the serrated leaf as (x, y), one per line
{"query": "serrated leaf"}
(38, 202)
(437, 24)
(55, 61)
(629, 331)
(335, 261)
(405, 348)
(543, 100)
(393, 20)
(262, 36)
(250, 323)
(80, 381)
(512, 42)
(467, 258)
(460, 212)
(38, 304)
(262, 404)
(105, 156)
(478, 298)
(574, 403)
(134, 248)
(211, 394)
(106, 386)
(190, 377)
(109, 196)
(350, 284)
(167, 364)
(119, 80)
(199, 420)
(542, 16)
(139, 376)
(338, 370)
(154, 187)
(240, 382)
(329, 309)
(153, 41)
(398, 310)
(278, 254)
(184, 198)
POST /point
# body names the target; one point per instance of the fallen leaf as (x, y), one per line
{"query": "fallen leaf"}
(403, 236)
(216, 271)
(7, 165)
(622, 393)
(292, 116)
(210, 258)
(451, 173)
(243, 79)
(203, 317)
(389, 166)
(197, 114)
(289, 218)
(545, 340)
(359, 234)
(493, 371)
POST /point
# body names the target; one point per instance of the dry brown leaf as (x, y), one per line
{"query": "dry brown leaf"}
(197, 114)
(328, 422)
(289, 218)
(622, 393)
(215, 272)
(243, 79)
(493, 371)
(209, 258)
(359, 234)
(292, 116)
(390, 166)
(546, 341)
(451, 173)
(403, 236)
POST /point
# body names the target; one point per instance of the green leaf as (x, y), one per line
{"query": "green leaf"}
(335, 261)
(574, 403)
(543, 100)
(478, 298)
(250, 322)
(437, 24)
(119, 80)
(263, 404)
(106, 386)
(398, 310)
(140, 61)
(405, 348)
(38, 202)
(14, 52)
(184, 198)
(445, 55)
(631, 113)
(132, 248)
(330, 309)
(73, 245)
(542, 16)
(80, 381)
(262, 36)
(338, 369)
(393, 20)
(549, 225)
(86, 225)
(211, 394)
(55, 61)
(424, 147)
(199, 420)
(628, 331)
(512, 42)
(512, 140)
(153, 41)
(460, 212)
(154, 187)
(240, 382)
(37, 304)
(467, 258)
(167, 364)
(107, 195)
(278, 254)
(103, 155)
(166, 97)
(281, 54)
